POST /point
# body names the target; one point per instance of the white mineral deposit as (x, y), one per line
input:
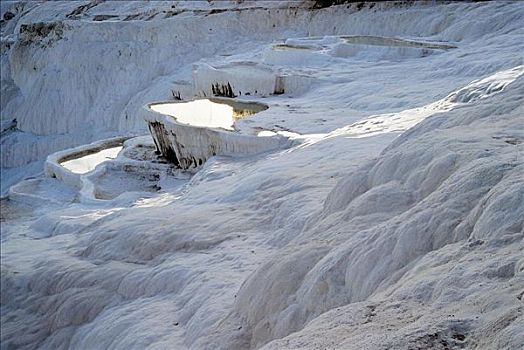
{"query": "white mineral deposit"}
(324, 174)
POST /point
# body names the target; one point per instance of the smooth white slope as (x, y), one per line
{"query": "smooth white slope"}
(433, 226)
(163, 272)
(254, 249)
(65, 82)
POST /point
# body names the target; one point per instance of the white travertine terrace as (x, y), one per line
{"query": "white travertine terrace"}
(188, 133)
(199, 113)
(89, 162)
(69, 165)
(396, 222)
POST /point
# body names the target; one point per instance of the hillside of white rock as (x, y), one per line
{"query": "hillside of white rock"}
(374, 201)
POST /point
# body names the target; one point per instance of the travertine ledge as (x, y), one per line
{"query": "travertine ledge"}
(189, 146)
